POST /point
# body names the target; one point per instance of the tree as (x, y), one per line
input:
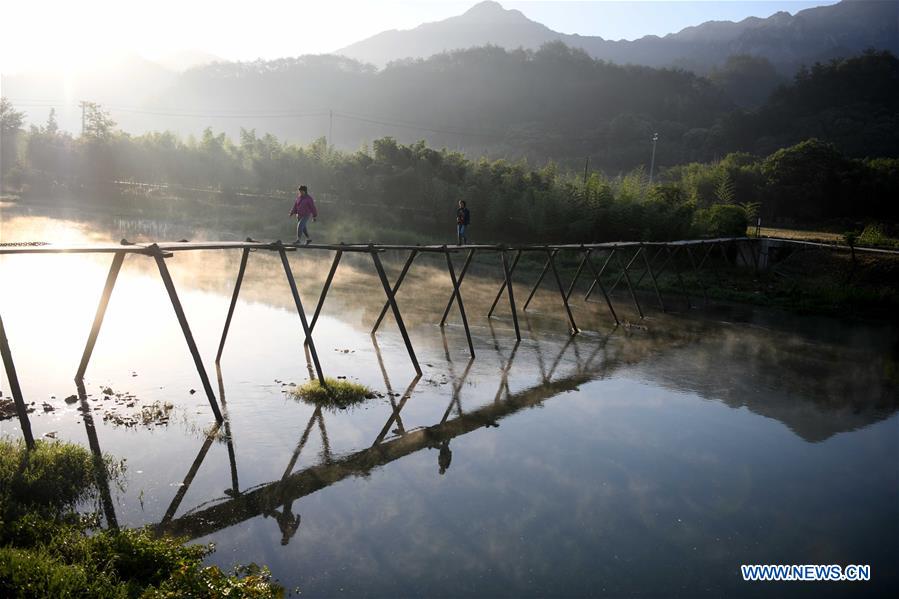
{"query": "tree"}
(98, 125)
(10, 123)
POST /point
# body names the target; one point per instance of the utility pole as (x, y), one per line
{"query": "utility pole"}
(652, 163)
(586, 165)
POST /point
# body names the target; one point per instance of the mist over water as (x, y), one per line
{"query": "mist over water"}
(649, 459)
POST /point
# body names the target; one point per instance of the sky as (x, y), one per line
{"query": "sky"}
(68, 35)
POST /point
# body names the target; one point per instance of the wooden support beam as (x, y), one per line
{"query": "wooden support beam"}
(508, 275)
(628, 279)
(458, 294)
(552, 263)
(452, 298)
(395, 414)
(549, 255)
(598, 282)
(601, 271)
(325, 288)
(505, 280)
(101, 474)
(189, 477)
(245, 255)
(621, 274)
(232, 457)
(15, 389)
(309, 343)
(577, 275)
(188, 336)
(651, 261)
(396, 288)
(652, 277)
(111, 277)
(393, 305)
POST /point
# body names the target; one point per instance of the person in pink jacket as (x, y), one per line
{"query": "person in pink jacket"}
(303, 208)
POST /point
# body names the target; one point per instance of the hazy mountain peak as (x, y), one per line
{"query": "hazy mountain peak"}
(489, 11)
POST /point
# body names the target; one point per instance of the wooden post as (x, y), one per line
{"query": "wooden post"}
(621, 274)
(601, 271)
(327, 286)
(189, 477)
(552, 262)
(117, 260)
(628, 279)
(396, 310)
(452, 298)
(232, 458)
(539, 279)
(508, 275)
(577, 275)
(395, 414)
(245, 255)
(396, 288)
(597, 281)
(458, 295)
(648, 266)
(652, 278)
(100, 472)
(185, 328)
(505, 280)
(309, 343)
(15, 389)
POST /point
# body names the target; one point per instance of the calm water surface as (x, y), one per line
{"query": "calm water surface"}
(641, 460)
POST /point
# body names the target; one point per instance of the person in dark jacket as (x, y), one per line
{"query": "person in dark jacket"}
(463, 219)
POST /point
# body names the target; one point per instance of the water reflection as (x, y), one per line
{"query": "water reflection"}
(651, 470)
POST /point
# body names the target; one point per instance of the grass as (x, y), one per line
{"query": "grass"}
(48, 550)
(336, 394)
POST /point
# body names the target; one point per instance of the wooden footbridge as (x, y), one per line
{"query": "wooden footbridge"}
(631, 258)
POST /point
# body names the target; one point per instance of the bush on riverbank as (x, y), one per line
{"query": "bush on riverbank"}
(47, 550)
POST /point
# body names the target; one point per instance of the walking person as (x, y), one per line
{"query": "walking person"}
(463, 218)
(303, 208)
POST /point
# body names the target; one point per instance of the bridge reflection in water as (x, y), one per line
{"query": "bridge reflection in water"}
(276, 499)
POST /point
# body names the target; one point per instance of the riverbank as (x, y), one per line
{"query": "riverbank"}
(48, 549)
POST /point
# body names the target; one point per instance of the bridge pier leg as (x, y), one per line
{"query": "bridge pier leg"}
(597, 281)
(457, 293)
(577, 275)
(648, 267)
(325, 288)
(396, 288)
(508, 275)
(15, 389)
(621, 274)
(309, 343)
(245, 255)
(188, 336)
(652, 278)
(539, 279)
(505, 280)
(601, 271)
(393, 305)
(100, 472)
(552, 262)
(628, 279)
(114, 268)
(452, 298)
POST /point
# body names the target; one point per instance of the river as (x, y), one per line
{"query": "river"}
(648, 459)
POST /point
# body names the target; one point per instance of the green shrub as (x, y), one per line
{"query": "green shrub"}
(48, 480)
(336, 393)
(720, 220)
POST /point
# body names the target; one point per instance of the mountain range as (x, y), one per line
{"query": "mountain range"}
(787, 41)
